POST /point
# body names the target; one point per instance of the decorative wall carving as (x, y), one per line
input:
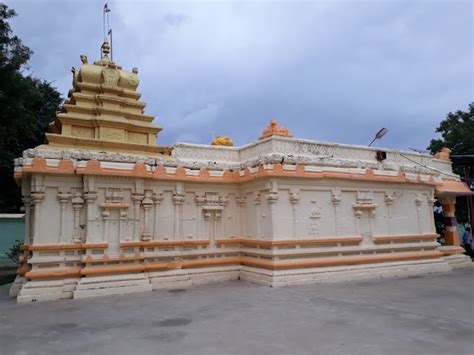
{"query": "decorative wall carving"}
(314, 216)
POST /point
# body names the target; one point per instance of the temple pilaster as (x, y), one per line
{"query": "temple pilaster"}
(77, 203)
(137, 199)
(147, 206)
(90, 198)
(200, 201)
(178, 201)
(450, 222)
(157, 199)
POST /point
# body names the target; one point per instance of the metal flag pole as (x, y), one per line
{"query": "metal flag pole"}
(111, 46)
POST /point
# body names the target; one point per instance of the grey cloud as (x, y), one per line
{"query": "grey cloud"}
(333, 71)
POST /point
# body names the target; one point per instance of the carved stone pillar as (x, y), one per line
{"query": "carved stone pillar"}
(207, 224)
(123, 220)
(77, 203)
(157, 198)
(217, 219)
(418, 203)
(105, 217)
(63, 197)
(200, 201)
(294, 199)
(90, 198)
(242, 202)
(147, 205)
(27, 207)
(37, 201)
(178, 201)
(336, 202)
(358, 216)
(431, 201)
(137, 198)
(450, 222)
(257, 202)
(272, 198)
(389, 199)
(223, 200)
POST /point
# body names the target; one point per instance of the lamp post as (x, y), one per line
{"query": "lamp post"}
(379, 135)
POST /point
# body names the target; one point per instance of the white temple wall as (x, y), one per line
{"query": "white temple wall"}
(285, 223)
(327, 209)
(53, 218)
(380, 218)
(232, 218)
(269, 209)
(166, 217)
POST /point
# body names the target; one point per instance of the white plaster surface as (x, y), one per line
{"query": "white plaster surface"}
(75, 209)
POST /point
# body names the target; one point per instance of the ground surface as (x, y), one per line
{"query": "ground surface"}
(418, 315)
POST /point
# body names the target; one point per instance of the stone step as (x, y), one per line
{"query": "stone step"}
(121, 277)
(37, 291)
(111, 291)
(374, 272)
(111, 284)
(459, 261)
(42, 297)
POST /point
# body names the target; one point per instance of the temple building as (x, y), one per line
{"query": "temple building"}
(108, 211)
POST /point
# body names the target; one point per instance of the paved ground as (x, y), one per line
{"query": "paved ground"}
(418, 315)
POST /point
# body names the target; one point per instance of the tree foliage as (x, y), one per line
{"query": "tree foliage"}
(27, 105)
(457, 132)
(14, 252)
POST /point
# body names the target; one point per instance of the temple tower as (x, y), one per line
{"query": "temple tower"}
(103, 111)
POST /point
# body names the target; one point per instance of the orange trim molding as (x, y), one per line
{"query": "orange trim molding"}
(451, 250)
(339, 261)
(78, 246)
(58, 273)
(452, 187)
(93, 271)
(290, 242)
(247, 261)
(164, 243)
(22, 270)
(404, 238)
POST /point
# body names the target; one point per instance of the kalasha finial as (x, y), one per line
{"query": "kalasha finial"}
(105, 50)
(274, 129)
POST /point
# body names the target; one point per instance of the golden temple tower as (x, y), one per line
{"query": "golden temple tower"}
(103, 112)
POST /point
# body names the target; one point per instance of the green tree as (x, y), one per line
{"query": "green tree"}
(27, 105)
(457, 132)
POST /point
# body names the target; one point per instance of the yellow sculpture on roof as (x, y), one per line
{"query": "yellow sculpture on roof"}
(103, 111)
(223, 141)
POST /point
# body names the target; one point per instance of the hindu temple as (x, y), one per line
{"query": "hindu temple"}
(110, 211)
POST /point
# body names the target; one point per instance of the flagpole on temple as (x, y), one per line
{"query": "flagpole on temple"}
(111, 46)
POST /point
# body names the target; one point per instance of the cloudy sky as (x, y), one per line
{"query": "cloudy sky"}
(329, 70)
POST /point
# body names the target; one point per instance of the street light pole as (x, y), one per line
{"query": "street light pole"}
(379, 135)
